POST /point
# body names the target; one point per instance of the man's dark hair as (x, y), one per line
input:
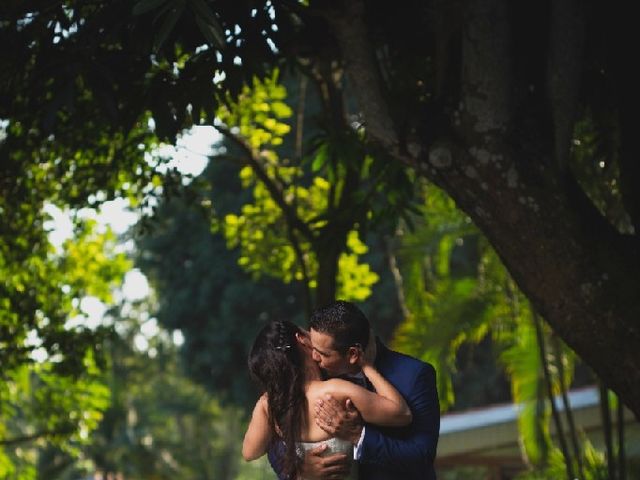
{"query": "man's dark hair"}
(344, 322)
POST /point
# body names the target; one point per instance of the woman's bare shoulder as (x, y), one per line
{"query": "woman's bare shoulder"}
(335, 386)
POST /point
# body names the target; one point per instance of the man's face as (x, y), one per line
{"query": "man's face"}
(333, 362)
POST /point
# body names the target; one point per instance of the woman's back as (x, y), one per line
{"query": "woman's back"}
(311, 432)
(313, 436)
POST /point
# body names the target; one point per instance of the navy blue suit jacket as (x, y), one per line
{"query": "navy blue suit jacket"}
(404, 452)
(399, 452)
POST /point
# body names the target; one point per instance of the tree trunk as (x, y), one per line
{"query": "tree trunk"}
(500, 163)
(327, 273)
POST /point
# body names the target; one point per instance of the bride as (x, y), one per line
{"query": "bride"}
(280, 361)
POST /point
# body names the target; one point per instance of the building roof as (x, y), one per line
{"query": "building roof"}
(481, 434)
(508, 412)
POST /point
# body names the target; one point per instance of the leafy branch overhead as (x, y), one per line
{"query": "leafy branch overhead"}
(282, 232)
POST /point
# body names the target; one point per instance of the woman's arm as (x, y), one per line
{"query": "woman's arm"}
(258, 435)
(415, 450)
(384, 407)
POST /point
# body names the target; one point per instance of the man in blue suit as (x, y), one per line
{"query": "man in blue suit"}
(382, 453)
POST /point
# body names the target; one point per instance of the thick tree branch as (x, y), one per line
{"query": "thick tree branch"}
(364, 80)
(486, 66)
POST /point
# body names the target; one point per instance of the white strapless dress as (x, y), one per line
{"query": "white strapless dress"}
(334, 445)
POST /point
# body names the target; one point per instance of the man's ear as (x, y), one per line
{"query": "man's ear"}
(302, 339)
(354, 354)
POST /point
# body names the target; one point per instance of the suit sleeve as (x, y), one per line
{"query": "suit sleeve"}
(407, 449)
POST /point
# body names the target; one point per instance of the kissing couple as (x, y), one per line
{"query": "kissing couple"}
(338, 404)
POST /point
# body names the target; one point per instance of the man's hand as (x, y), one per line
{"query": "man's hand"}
(331, 467)
(337, 419)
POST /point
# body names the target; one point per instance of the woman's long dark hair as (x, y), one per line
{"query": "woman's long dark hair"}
(278, 367)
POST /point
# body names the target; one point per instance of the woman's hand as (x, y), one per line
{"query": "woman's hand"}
(338, 419)
(317, 466)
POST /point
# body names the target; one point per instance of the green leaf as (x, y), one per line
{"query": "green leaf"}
(320, 159)
(168, 24)
(208, 23)
(281, 109)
